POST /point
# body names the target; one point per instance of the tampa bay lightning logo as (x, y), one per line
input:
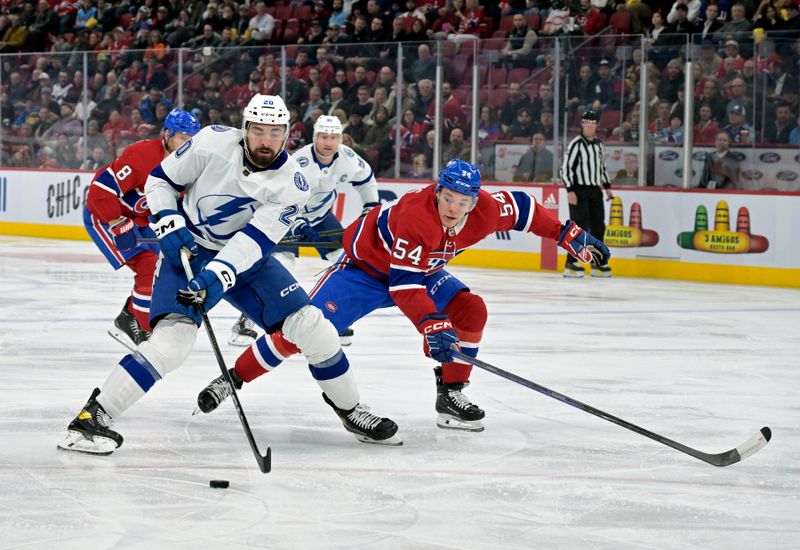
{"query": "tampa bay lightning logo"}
(300, 181)
(183, 148)
(220, 128)
(302, 161)
(349, 152)
(222, 216)
(360, 163)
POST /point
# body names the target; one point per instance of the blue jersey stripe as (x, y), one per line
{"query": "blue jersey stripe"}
(365, 180)
(159, 173)
(332, 368)
(523, 201)
(140, 369)
(399, 277)
(383, 228)
(266, 353)
(108, 180)
(260, 238)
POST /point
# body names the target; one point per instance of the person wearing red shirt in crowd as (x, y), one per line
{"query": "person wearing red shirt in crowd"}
(116, 218)
(706, 130)
(397, 255)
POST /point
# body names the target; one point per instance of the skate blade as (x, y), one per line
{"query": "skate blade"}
(122, 338)
(448, 422)
(573, 275)
(393, 441)
(345, 341)
(601, 274)
(77, 442)
(240, 340)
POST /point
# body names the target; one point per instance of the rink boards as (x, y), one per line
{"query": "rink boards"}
(733, 237)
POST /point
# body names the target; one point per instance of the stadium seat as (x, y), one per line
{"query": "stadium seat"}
(541, 76)
(283, 13)
(621, 21)
(499, 34)
(460, 94)
(609, 120)
(291, 31)
(534, 21)
(497, 75)
(461, 64)
(303, 13)
(506, 23)
(518, 74)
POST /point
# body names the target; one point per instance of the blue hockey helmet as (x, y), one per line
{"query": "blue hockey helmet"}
(460, 176)
(180, 121)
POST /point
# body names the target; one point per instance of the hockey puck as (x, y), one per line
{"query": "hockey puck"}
(219, 483)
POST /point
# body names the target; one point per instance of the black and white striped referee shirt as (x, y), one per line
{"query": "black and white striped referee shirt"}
(584, 164)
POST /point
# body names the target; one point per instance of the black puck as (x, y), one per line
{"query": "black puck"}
(219, 484)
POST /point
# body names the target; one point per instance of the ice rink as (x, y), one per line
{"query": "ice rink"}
(706, 365)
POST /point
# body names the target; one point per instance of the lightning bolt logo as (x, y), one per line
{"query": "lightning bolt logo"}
(228, 213)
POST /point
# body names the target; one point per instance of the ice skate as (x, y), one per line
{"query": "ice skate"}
(346, 337)
(216, 392)
(573, 271)
(367, 427)
(456, 412)
(602, 271)
(243, 332)
(90, 431)
(127, 330)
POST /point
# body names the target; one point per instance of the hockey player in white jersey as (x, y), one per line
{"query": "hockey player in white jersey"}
(325, 163)
(241, 193)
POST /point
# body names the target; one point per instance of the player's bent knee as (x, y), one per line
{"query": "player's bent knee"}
(170, 344)
(467, 312)
(316, 337)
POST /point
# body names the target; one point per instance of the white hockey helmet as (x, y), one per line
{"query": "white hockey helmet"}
(328, 125)
(266, 109)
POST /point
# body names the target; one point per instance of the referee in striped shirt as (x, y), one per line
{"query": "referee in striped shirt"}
(583, 172)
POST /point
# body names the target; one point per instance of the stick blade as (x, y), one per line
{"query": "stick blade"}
(265, 462)
(746, 449)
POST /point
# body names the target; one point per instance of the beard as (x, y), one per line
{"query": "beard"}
(262, 157)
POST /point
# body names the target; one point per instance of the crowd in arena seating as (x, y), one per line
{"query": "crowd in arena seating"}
(143, 56)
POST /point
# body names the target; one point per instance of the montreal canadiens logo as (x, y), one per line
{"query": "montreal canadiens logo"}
(141, 205)
(303, 162)
(330, 306)
(300, 181)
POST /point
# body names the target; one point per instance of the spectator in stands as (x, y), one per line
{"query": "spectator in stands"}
(44, 22)
(386, 79)
(658, 37)
(68, 125)
(261, 25)
(114, 129)
(610, 89)
(584, 91)
(544, 101)
(355, 127)
(516, 100)
(46, 100)
(714, 100)
(784, 82)
(706, 130)
(426, 147)
(208, 38)
(708, 60)
(419, 168)
(536, 164)
(377, 139)
(14, 36)
(779, 129)
(523, 125)
(674, 133)
(314, 101)
(336, 100)
(62, 87)
(721, 169)
(661, 120)
(669, 86)
(67, 153)
(488, 129)
(738, 28)
(142, 20)
(556, 19)
(692, 9)
(737, 92)
(794, 135)
(147, 107)
(424, 98)
(545, 124)
(18, 89)
(521, 40)
(458, 148)
(379, 99)
(86, 16)
(43, 121)
(425, 66)
(339, 15)
(711, 24)
(211, 17)
(737, 129)
(314, 34)
(180, 30)
(629, 175)
(411, 134)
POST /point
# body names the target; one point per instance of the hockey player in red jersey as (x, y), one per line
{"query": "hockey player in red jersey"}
(395, 255)
(115, 217)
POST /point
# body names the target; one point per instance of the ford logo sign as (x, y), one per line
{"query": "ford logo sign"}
(770, 157)
(737, 155)
(668, 155)
(752, 175)
(797, 157)
(701, 155)
(786, 175)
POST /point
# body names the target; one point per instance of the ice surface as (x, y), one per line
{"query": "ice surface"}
(707, 365)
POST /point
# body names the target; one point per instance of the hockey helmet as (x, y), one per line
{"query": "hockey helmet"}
(180, 121)
(460, 176)
(266, 109)
(328, 125)
(591, 116)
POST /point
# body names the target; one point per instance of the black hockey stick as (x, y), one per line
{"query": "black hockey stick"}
(264, 462)
(749, 447)
(288, 241)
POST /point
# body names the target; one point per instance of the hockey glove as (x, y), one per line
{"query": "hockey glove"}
(170, 228)
(367, 207)
(209, 285)
(123, 234)
(582, 244)
(302, 231)
(439, 336)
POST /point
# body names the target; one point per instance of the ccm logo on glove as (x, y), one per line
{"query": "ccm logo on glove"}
(436, 327)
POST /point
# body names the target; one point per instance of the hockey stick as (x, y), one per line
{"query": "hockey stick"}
(749, 447)
(289, 241)
(264, 462)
